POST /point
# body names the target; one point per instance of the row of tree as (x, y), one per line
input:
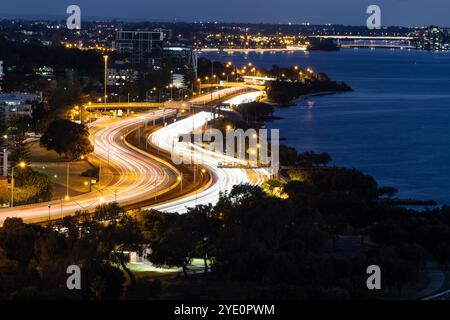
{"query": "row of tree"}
(276, 247)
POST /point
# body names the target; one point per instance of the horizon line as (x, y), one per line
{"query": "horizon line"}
(54, 17)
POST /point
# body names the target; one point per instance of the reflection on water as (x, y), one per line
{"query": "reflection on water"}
(395, 125)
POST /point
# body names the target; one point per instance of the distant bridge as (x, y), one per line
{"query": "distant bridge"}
(224, 84)
(201, 100)
(134, 105)
(379, 46)
(339, 37)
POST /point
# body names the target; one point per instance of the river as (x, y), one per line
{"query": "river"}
(394, 126)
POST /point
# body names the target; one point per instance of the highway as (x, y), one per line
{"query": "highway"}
(224, 178)
(129, 178)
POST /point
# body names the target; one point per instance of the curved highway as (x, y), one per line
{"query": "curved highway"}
(128, 174)
(224, 178)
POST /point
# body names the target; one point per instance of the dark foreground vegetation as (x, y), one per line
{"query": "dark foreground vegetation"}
(284, 92)
(254, 244)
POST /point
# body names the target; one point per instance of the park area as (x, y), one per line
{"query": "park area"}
(55, 167)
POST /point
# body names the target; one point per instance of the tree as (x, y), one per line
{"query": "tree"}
(204, 226)
(311, 159)
(255, 110)
(288, 155)
(68, 138)
(39, 117)
(20, 154)
(121, 233)
(31, 186)
(273, 187)
(170, 243)
(17, 239)
(387, 191)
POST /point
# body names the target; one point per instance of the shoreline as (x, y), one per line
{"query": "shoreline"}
(262, 50)
(302, 97)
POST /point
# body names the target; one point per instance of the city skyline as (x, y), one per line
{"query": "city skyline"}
(349, 12)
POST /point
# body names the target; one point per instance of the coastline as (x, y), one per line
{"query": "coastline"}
(303, 97)
(288, 49)
(315, 94)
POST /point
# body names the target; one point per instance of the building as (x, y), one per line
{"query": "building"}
(1, 74)
(433, 39)
(17, 98)
(182, 60)
(141, 47)
(119, 74)
(17, 104)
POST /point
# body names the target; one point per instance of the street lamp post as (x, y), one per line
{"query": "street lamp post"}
(67, 178)
(105, 57)
(180, 178)
(21, 165)
(49, 207)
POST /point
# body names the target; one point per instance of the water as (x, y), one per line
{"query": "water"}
(395, 124)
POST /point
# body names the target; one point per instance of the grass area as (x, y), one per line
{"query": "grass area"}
(446, 283)
(408, 291)
(147, 270)
(54, 166)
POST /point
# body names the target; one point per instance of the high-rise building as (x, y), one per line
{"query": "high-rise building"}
(141, 47)
(180, 58)
(433, 39)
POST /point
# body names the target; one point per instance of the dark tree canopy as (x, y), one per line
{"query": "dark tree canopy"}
(68, 138)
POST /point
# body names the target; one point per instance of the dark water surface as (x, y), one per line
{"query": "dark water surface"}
(395, 126)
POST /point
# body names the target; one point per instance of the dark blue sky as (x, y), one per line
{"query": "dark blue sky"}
(394, 12)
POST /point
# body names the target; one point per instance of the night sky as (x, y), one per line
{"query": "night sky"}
(394, 12)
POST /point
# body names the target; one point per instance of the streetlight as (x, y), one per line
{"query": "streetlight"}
(105, 57)
(180, 178)
(199, 80)
(67, 179)
(20, 165)
(88, 183)
(62, 205)
(49, 205)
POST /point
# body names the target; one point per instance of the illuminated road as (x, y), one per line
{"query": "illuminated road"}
(224, 178)
(130, 177)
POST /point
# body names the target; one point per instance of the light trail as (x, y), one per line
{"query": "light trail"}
(132, 175)
(224, 178)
